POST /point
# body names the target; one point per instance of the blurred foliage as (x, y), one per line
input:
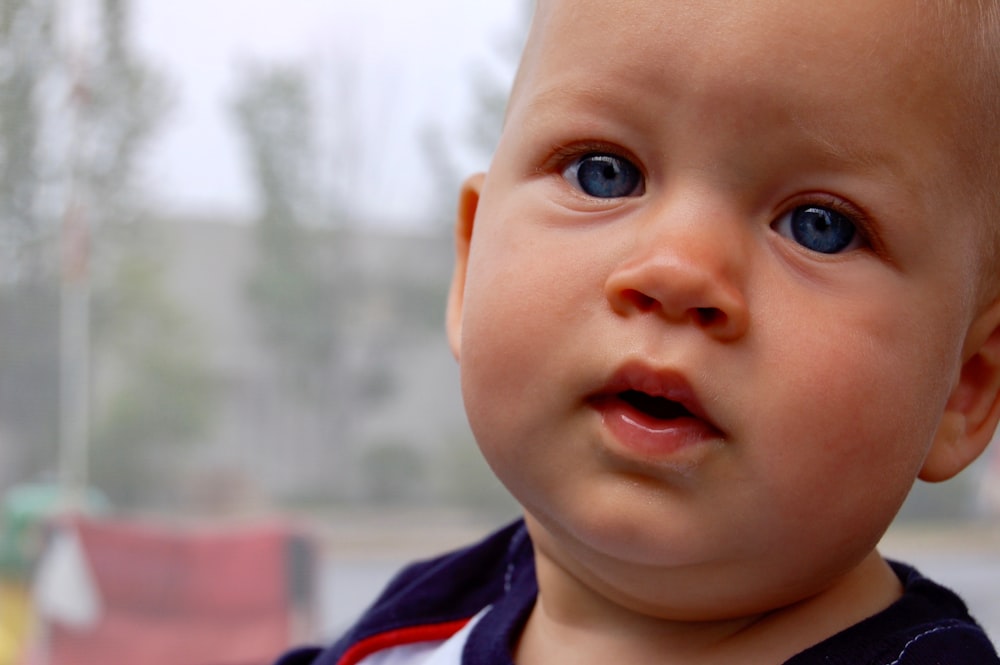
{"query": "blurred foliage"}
(29, 378)
(156, 389)
(336, 318)
(30, 61)
(303, 283)
(290, 294)
(159, 392)
(123, 102)
(29, 294)
(451, 160)
(77, 110)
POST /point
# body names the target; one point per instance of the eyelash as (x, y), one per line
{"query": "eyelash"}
(561, 156)
(861, 220)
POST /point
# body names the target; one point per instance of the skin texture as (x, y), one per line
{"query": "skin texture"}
(817, 387)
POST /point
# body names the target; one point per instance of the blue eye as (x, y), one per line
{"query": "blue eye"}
(819, 229)
(605, 176)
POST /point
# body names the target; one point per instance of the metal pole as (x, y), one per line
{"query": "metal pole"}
(76, 22)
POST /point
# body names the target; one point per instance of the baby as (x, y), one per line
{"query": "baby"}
(729, 287)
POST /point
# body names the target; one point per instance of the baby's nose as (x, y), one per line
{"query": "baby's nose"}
(684, 273)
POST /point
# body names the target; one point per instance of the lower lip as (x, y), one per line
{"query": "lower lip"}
(651, 437)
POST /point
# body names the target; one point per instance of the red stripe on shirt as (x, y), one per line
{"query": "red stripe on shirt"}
(400, 637)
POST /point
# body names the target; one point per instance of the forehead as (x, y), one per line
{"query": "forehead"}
(728, 47)
(859, 80)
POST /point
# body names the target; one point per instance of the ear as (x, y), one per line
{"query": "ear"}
(468, 203)
(973, 409)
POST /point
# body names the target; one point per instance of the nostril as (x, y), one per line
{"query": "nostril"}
(681, 293)
(705, 316)
(639, 300)
(708, 316)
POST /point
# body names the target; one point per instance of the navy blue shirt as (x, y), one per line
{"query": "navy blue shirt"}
(431, 600)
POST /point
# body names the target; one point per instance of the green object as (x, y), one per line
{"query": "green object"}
(24, 512)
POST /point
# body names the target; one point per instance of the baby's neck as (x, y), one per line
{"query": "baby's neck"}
(572, 624)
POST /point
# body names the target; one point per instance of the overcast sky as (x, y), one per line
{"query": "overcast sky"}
(414, 58)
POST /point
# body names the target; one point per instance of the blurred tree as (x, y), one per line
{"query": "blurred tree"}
(123, 102)
(77, 107)
(289, 292)
(302, 268)
(29, 296)
(453, 156)
(29, 379)
(75, 111)
(333, 308)
(30, 61)
(335, 312)
(157, 391)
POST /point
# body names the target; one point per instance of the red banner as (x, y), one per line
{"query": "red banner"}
(173, 596)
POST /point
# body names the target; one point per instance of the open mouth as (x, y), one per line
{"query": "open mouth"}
(654, 414)
(652, 406)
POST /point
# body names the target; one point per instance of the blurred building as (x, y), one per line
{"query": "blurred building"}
(391, 407)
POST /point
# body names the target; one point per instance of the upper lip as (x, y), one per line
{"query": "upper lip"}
(667, 384)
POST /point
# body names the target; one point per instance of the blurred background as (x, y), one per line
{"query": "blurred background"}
(224, 251)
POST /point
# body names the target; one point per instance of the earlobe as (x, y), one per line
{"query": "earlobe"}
(468, 203)
(973, 408)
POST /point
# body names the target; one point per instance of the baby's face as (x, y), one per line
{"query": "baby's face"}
(718, 290)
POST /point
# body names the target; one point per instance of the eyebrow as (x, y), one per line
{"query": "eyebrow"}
(560, 96)
(858, 156)
(862, 156)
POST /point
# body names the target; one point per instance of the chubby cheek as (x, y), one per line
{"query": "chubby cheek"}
(509, 408)
(505, 330)
(525, 292)
(852, 412)
(523, 306)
